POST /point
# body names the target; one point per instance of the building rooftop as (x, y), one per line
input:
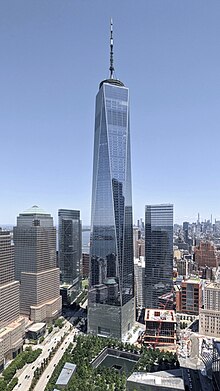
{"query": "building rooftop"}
(114, 82)
(169, 379)
(158, 315)
(66, 374)
(213, 285)
(34, 210)
(65, 285)
(36, 327)
(13, 325)
(192, 281)
(110, 281)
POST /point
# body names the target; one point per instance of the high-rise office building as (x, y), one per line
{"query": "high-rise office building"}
(186, 231)
(85, 265)
(189, 297)
(209, 317)
(70, 245)
(35, 265)
(139, 278)
(205, 254)
(70, 251)
(158, 252)
(111, 293)
(11, 324)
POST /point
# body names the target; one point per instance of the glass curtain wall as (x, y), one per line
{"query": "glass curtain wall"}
(158, 253)
(111, 248)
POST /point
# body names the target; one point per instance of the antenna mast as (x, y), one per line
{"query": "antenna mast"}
(112, 69)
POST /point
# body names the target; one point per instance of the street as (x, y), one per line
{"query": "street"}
(42, 382)
(25, 375)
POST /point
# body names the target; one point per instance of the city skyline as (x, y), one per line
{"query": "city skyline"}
(169, 59)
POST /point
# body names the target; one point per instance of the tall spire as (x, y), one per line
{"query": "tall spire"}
(111, 68)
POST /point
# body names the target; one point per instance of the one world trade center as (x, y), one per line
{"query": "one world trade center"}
(111, 276)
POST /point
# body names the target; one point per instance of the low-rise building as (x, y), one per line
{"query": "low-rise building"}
(171, 380)
(65, 375)
(36, 330)
(160, 327)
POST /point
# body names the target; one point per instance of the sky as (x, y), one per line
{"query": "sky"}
(54, 53)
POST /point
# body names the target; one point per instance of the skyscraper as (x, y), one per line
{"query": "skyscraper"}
(111, 293)
(11, 324)
(35, 265)
(70, 248)
(158, 252)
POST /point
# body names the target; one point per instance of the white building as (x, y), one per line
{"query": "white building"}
(209, 317)
(139, 277)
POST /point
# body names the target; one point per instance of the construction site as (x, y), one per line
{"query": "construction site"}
(160, 328)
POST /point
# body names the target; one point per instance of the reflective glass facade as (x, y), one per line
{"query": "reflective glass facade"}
(70, 246)
(158, 252)
(216, 366)
(111, 249)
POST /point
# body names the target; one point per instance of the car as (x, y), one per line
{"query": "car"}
(48, 376)
(19, 385)
(55, 364)
(33, 367)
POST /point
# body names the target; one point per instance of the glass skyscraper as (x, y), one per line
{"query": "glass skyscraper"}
(111, 280)
(70, 250)
(158, 253)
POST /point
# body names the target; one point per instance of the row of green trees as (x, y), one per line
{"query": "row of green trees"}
(102, 378)
(87, 377)
(59, 323)
(155, 360)
(39, 370)
(8, 387)
(25, 357)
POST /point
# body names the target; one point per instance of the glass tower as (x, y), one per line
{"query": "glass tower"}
(111, 280)
(70, 249)
(158, 253)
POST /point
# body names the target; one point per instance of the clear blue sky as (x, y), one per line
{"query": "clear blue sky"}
(54, 53)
